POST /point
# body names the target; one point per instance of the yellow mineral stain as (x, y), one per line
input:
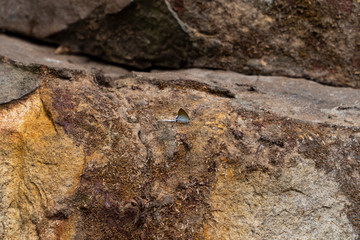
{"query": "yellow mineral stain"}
(40, 166)
(233, 203)
(13, 115)
(217, 122)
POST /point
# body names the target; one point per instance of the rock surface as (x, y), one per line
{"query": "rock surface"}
(318, 40)
(43, 18)
(21, 61)
(85, 156)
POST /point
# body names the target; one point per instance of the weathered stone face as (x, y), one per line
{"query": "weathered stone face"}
(43, 18)
(16, 83)
(40, 170)
(86, 156)
(317, 40)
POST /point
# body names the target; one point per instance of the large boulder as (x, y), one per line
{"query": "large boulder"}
(87, 155)
(318, 40)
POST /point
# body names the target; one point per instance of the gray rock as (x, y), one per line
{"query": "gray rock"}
(29, 54)
(43, 18)
(16, 82)
(19, 76)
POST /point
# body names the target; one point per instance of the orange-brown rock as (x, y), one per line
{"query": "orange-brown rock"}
(86, 156)
(40, 169)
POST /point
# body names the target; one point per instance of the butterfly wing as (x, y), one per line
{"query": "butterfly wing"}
(182, 116)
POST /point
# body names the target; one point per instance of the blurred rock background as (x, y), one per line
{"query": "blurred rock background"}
(317, 40)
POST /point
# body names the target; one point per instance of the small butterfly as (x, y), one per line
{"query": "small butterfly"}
(182, 117)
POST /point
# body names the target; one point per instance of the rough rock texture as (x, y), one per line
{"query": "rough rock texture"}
(19, 73)
(16, 83)
(313, 39)
(43, 18)
(86, 156)
(39, 168)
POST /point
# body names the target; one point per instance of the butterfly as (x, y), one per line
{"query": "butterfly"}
(182, 117)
